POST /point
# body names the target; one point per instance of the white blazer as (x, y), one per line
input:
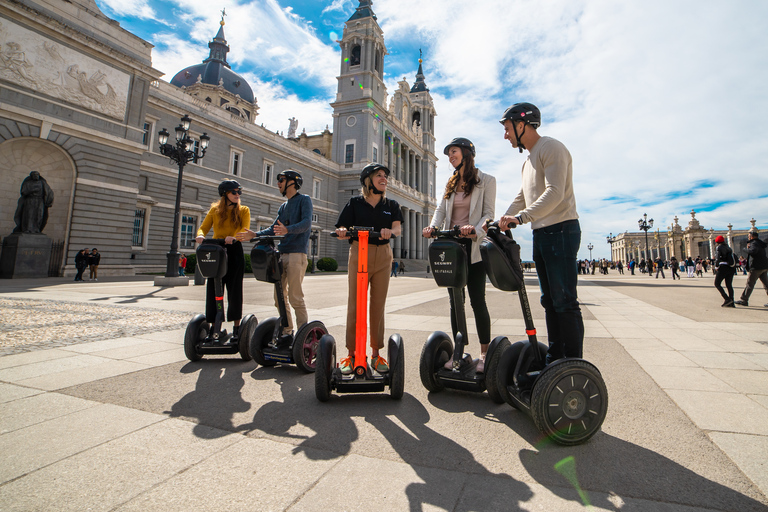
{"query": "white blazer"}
(482, 206)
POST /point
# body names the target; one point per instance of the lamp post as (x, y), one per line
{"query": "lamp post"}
(645, 224)
(611, 239)
(180, 153)
(313, 238)
(590, 247)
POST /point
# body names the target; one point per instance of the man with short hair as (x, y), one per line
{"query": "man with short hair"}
(293, 223)
(757, 264)
(546, 200)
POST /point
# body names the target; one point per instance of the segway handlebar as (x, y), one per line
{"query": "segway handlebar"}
(215, 241)
(454, 232)
(352, 233)
(267, 238)
(494, 226)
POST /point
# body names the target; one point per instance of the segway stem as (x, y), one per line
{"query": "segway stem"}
(361, 332)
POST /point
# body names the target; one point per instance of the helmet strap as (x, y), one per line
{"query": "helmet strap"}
(520, 144)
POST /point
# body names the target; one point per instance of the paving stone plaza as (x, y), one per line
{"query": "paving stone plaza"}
(100, 410)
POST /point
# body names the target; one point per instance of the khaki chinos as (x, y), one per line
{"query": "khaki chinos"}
(294, 268)
(379, 270)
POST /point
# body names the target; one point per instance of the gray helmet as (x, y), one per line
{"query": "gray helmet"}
(462, 143)
(228, 186)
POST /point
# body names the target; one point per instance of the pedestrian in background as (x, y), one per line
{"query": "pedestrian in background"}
(757, 263)
(182, 264)
(674, 265)
(93, 263)
(394, 269)
(726, 268)
(659, 267)
(81, 263)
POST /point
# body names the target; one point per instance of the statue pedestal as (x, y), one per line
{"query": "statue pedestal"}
(25, 255)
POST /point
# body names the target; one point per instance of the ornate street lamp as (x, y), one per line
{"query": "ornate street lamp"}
(645, 224)
(181, 153)
(611, 239)
(590, 247)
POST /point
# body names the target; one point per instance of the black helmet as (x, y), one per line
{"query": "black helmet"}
(292, 175)
(523, 112)
(228, 186)
(462, 143)
(370, 169)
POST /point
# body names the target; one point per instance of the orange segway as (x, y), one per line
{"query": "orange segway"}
(363, 379)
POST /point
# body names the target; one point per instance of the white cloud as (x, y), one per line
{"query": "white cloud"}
(137, 8)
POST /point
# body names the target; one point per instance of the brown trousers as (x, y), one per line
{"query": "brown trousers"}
(379, 269)
(294, 268)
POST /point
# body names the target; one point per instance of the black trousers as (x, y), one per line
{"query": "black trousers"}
(725, 273)
(233, 282)
(476, 289)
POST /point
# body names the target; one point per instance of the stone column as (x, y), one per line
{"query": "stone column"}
(417, 232)
(406, 238)
(412, 235)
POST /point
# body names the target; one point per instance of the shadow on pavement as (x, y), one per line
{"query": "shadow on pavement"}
(133, 299)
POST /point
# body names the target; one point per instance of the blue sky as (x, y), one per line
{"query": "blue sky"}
(662, 105)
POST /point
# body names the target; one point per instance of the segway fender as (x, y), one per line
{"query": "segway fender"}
(492, 365)
(397, 366)
(324, 365)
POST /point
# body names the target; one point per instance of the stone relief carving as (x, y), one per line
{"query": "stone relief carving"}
(32, 61)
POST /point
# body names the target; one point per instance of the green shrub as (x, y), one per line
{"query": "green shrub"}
(327, 265)
(191, 264)
(248, 268)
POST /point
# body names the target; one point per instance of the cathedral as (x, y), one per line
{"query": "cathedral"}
(81, 104)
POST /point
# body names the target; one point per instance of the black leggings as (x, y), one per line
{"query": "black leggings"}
(233, 282)
(476, 289)
(725, 272)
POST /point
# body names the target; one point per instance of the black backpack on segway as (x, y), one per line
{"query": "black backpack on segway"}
(202, 338)
(567, 398)
(450, 263)
(267, 344)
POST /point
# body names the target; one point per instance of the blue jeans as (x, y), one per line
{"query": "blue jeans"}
(554, 252)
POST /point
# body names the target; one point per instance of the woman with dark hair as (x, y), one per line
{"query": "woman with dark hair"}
(469, 200)
(227, 217)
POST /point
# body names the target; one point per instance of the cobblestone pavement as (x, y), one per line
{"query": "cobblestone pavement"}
(35, 324)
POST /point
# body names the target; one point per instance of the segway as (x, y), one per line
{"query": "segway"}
(202, 338)
(450, 264)
(363, 379)
(567, 399)
(268, 346)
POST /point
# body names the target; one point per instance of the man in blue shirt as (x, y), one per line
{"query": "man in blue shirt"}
(293, 223)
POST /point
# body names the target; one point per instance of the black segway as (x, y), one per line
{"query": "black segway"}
(202, 338)
(450, 262)
(567, 398)
(267, 344)
(362, 379)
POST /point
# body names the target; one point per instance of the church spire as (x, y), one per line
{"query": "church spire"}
(419, 85)
(363, 11)
(218, 46)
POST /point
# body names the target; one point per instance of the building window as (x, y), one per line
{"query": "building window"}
(269, 169)
(354, 56)
(375, 154)
(235, 162)
(316, 189)
(349, 154)
(147, 134)
(195, 152)
(188, 231)
(315, 218)
(139, 218)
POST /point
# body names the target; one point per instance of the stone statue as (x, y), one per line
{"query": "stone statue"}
(32, 210)
(294, 123)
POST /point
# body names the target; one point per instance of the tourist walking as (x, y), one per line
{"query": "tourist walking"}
(93, 264)
(757, 263)
(726, 268)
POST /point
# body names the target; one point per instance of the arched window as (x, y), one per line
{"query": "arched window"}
(416, 118)
(354, 56)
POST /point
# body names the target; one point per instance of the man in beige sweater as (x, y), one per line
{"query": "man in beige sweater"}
(546, 201)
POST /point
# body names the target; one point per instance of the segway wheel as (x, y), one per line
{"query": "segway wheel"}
(247, 325)
(197, 331)
(492, 372)
(436, 352)
(507, 364)
(324, 365)
(305, 345)
(569, 401)
(397, 370)
(260, 338)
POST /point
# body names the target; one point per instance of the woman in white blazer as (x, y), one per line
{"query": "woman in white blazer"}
(469, 199)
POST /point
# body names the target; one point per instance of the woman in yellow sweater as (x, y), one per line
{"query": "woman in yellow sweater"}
(227, 217)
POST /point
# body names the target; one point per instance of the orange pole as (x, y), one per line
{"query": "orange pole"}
(361, 331)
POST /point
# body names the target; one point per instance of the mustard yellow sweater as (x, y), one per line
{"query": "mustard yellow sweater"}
(226, 228)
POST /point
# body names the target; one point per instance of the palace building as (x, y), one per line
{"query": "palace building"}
(81, 103)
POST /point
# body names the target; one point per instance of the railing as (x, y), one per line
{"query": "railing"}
(57, 258)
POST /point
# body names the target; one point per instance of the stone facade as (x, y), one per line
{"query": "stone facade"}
(81, 103)
(693, 240)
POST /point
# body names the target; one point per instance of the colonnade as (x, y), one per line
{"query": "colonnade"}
(412, 245)
(406, 164)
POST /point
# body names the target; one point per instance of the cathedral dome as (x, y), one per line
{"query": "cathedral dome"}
(215, 71)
